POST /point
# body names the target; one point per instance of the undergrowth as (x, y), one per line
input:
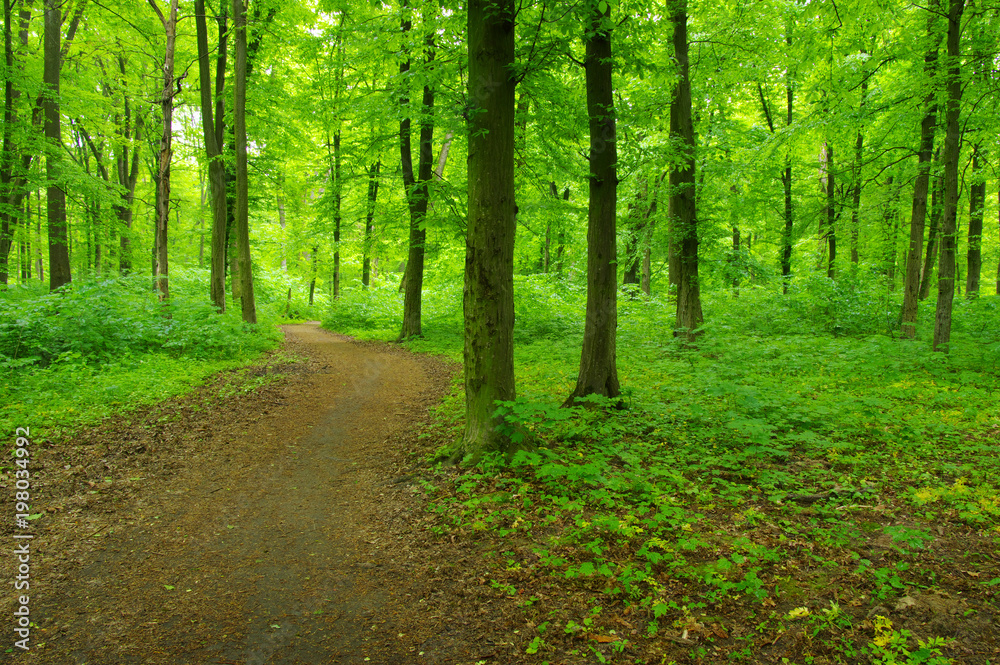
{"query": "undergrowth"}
(797, 474)
(100, 345)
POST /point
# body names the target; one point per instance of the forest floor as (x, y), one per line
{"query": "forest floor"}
(279, 514)
(268, 518)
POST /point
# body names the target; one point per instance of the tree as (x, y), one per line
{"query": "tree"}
(488, 301)
(977, 202)
(55, 200)
(417, 189)
(598, 367)
(166, 138)
(14, 161)
(684, 220)
(373, 172)
(911, 288)
(946, 270)
(247, 302)
(213, 128)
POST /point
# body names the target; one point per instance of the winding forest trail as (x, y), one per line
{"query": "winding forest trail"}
(277, 526)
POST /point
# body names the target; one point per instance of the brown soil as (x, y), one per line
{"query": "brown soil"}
(278, 525)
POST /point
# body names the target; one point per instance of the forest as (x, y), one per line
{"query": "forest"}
(715, 287)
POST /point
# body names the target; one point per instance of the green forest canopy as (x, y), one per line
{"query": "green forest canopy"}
(831, 88)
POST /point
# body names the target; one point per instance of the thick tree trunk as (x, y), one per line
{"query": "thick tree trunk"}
(683, 210)
(488, 300)
(213, 131)
(8, 189)
(946, 270)
(918, 210)
(370, 223)
(977, 201)
(59, 269)
(598, 365)
(248, 304)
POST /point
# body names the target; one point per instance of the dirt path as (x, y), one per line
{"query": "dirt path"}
(276, 527)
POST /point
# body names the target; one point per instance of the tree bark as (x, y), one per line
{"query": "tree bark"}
(933, 246)
(214, 131)
(417, 191)
(248, 304)
(683, 210)
(831, 215)
(891, 227)
(8, 188)
(636, 230)
(59, 268)
(370, 223)
(918, 210)
(338, 196)
(977, 201)
(598, 364)
(786, 177)
(946, 269)
(488, 299)
(163, 166)
(127, 169)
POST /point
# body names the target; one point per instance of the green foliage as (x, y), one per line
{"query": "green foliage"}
(739, 462)
(101, 345)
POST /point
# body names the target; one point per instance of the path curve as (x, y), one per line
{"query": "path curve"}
(278, 535)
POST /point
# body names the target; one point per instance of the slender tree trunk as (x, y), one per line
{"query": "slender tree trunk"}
(859, 146)
(598, 364)
(315, 271)
(127, 168)
(282, 222)
(635, 232)
(163, 167)
(248, 304)
(786, 177)
(831, 214)
(977, 201)
(232, 252)
(946, 270)
(488, 301)
(682, 179)
(370, 223)
(933, 246)
(59, 269)
(213, 131)
(998, 261)
(891, 226)
(417, 193)
(918, 211)
(337, 200)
